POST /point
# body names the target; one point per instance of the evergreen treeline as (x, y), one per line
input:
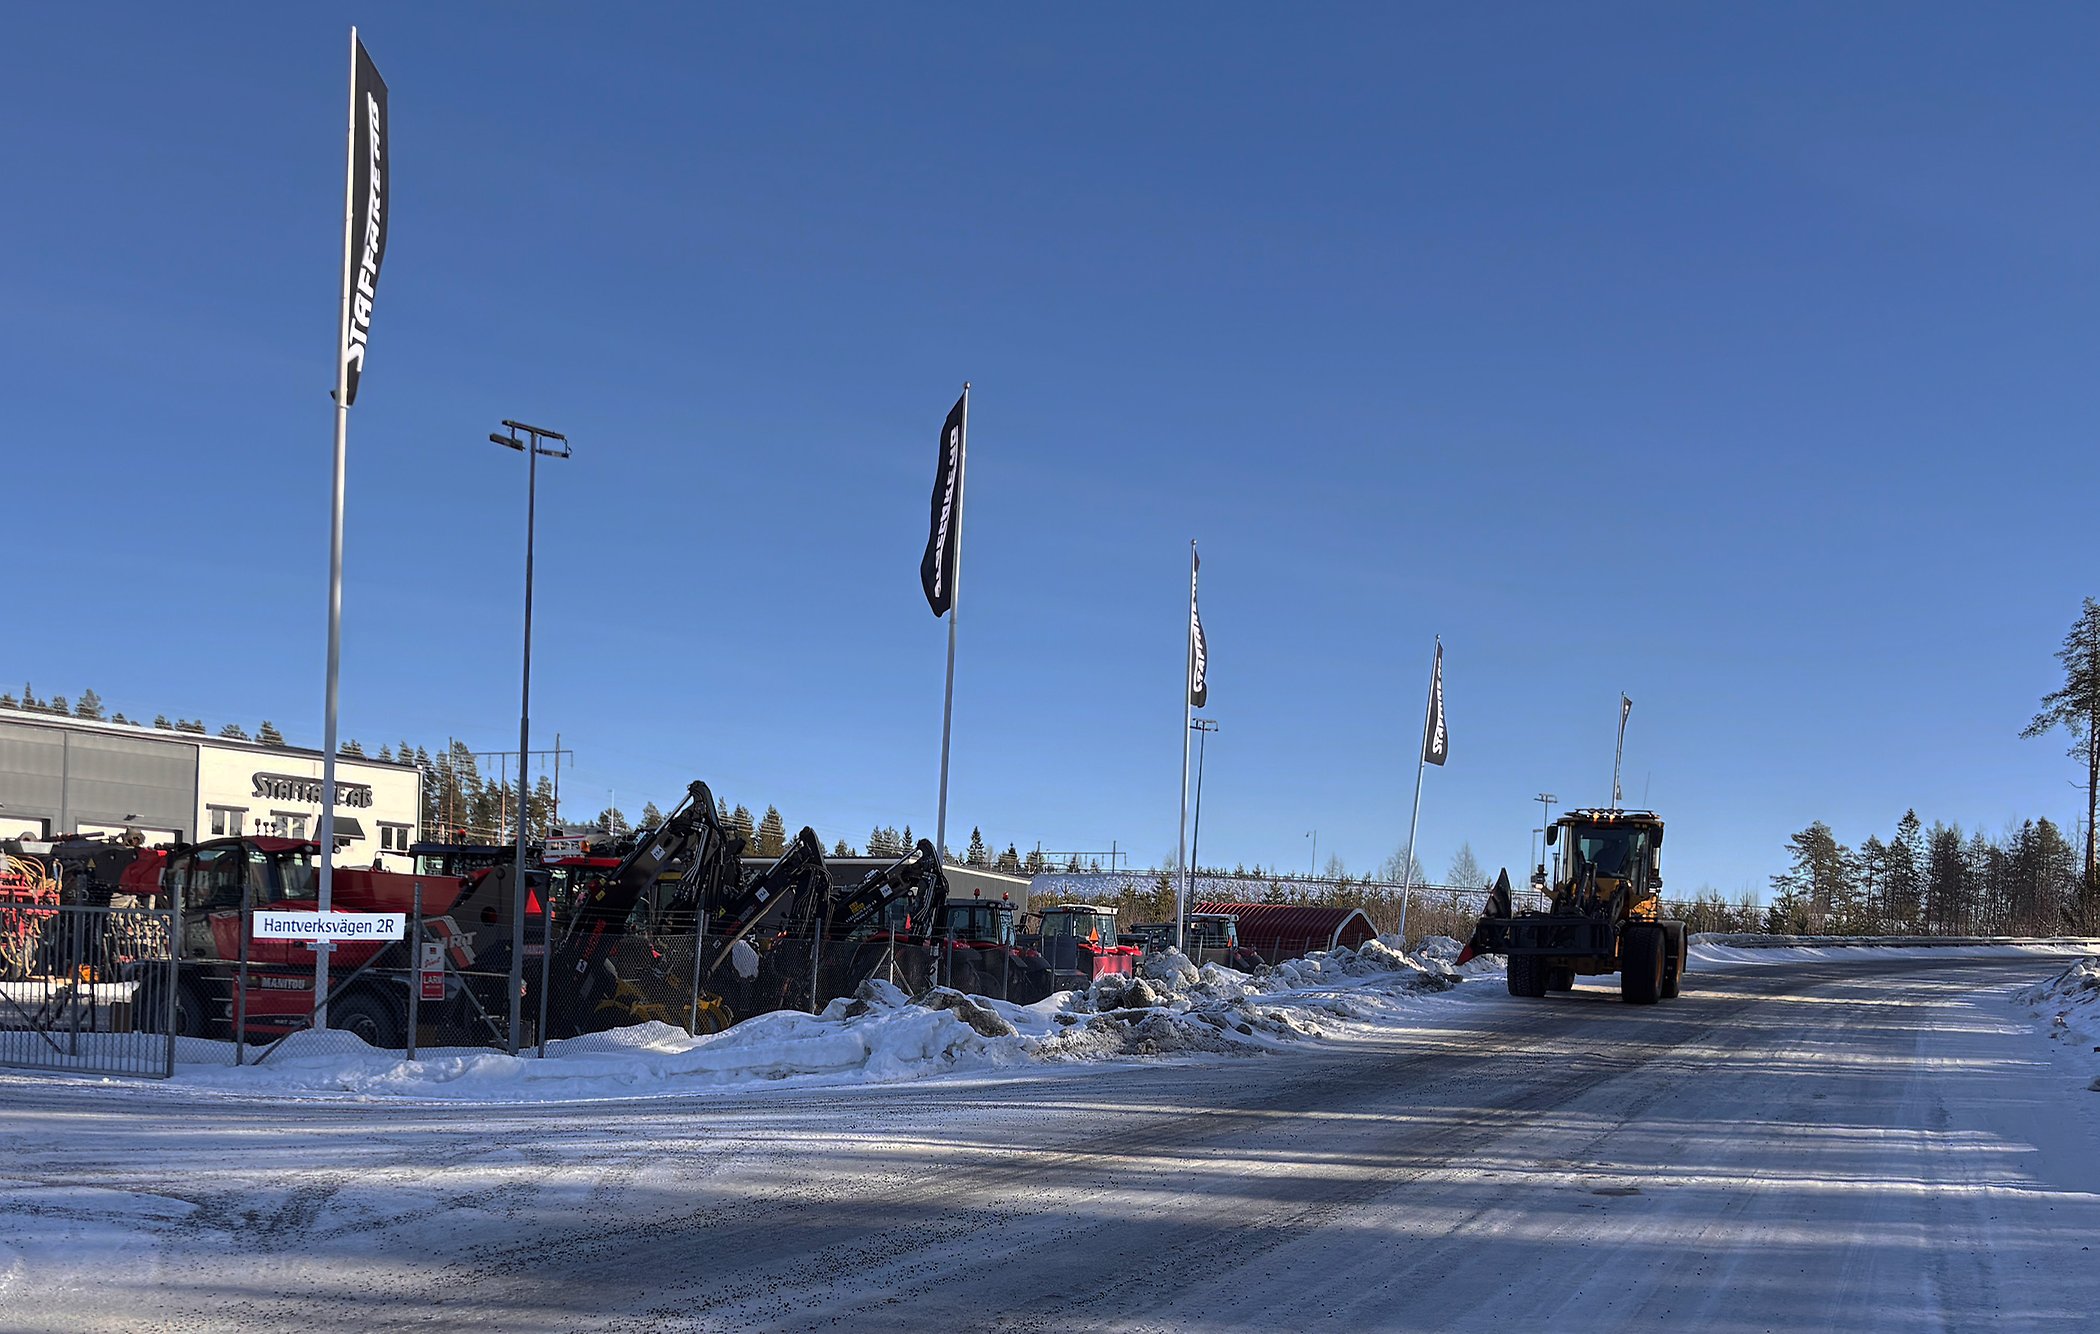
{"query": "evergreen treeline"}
(1932, 880)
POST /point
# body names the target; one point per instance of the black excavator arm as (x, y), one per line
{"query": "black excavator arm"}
(692, 833)
(794, 892)
(914, 879)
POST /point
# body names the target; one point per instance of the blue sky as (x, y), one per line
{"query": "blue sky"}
(1736, 359)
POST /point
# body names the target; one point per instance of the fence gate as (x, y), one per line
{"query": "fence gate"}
(87, 989)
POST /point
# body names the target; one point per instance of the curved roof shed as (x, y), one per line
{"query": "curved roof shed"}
(1287, 930)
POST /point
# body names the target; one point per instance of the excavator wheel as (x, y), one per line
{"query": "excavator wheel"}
(1527, 975)
(1642, 957)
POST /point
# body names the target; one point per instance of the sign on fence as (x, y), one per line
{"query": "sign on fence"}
(271, 924)
(430, 970)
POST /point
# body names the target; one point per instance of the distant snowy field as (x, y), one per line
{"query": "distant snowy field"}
(1173, 1011)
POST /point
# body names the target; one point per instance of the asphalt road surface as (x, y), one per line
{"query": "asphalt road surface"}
(1861, 1146)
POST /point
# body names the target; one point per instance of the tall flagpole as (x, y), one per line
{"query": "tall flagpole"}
(1188, 709)
(335, 555)
(962, 455)
(1407, 872)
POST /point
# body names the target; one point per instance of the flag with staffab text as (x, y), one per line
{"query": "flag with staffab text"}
(1435, 744)
(1199, 652)
(370, 203)
(944, 530)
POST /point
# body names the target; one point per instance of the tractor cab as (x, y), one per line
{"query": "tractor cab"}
(980, 920)
(1078, 942)
(1607, 852)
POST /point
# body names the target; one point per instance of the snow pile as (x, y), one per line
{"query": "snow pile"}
(1172, 1007)
(877, 1037)
(2068, 1004)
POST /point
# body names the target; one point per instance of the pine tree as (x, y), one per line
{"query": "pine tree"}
(741, 825)
(772, 833)
(1905, 878)
(610, 821)
(58, 705)
(190, 725)
(234, 730)
(268, 734)
(352, 749)
(840, 849)
(2075, 707)
(976, 855)
(545, 824)
(29, 699)
(118, 717)
(1817, 882)
(90, 705)
(1034, 865)
(652, 818)
(160, 720)
(386, 752)
(1009, 861)
(7, 699)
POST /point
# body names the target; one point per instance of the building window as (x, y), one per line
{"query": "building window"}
(226, 821)
(288, 824)
(393, 838)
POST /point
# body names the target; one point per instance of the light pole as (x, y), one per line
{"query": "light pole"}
(1314, 835)
(531, 448)
(1204, 727)
(1545, 799)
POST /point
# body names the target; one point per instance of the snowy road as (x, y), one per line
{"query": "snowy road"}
(1857, 1146)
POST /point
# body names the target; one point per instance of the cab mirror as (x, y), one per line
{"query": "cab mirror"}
(1552, 834)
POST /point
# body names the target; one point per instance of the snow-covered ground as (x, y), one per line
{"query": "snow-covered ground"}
(1861, 1141)
(2067, 1008)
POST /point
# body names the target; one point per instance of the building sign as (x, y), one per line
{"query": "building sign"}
(275, 925)
(291, 787)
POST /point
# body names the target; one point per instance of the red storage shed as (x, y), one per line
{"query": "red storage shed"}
(1287, 930)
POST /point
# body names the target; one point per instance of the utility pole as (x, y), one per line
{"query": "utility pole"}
(1546, 799)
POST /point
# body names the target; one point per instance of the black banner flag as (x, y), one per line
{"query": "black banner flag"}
(370, 153)
(944, 533)
(1436, 745)
(1199, 652)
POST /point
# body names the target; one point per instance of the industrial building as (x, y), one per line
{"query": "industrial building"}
(62, 775)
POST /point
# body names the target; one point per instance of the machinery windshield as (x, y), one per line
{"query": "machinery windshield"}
(1614, 852)
(1081, 925)
(296, 876)
(978, 919)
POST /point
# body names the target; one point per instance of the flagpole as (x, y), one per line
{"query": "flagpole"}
(335, 555)
(1188, 708)
(962, 455)
(1407, 872)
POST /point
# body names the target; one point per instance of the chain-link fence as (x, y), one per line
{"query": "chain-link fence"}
(87, 989)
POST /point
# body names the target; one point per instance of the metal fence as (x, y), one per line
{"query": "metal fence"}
(87, 989)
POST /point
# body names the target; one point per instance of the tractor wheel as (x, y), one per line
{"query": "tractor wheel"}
(1560, 979)
(1641, 958)
(364, 1016)
(1527, 975)
(150, 1014)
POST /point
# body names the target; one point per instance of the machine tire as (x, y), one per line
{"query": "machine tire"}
(1678, 942)
(1642, 953)
(1560, 979)
(1527, 976)
(365, 1016)
(191, 1019)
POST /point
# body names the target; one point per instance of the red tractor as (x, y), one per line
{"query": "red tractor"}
(1078, 944)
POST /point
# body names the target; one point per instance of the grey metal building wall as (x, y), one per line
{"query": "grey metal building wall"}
(69, 777)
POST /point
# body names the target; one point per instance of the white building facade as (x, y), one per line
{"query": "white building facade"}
(62, 775)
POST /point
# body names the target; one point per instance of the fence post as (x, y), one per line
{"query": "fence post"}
(240, 996)
(816, 948)
(173, 975)
(692, 1019)
(69, 923)
(415, 969)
